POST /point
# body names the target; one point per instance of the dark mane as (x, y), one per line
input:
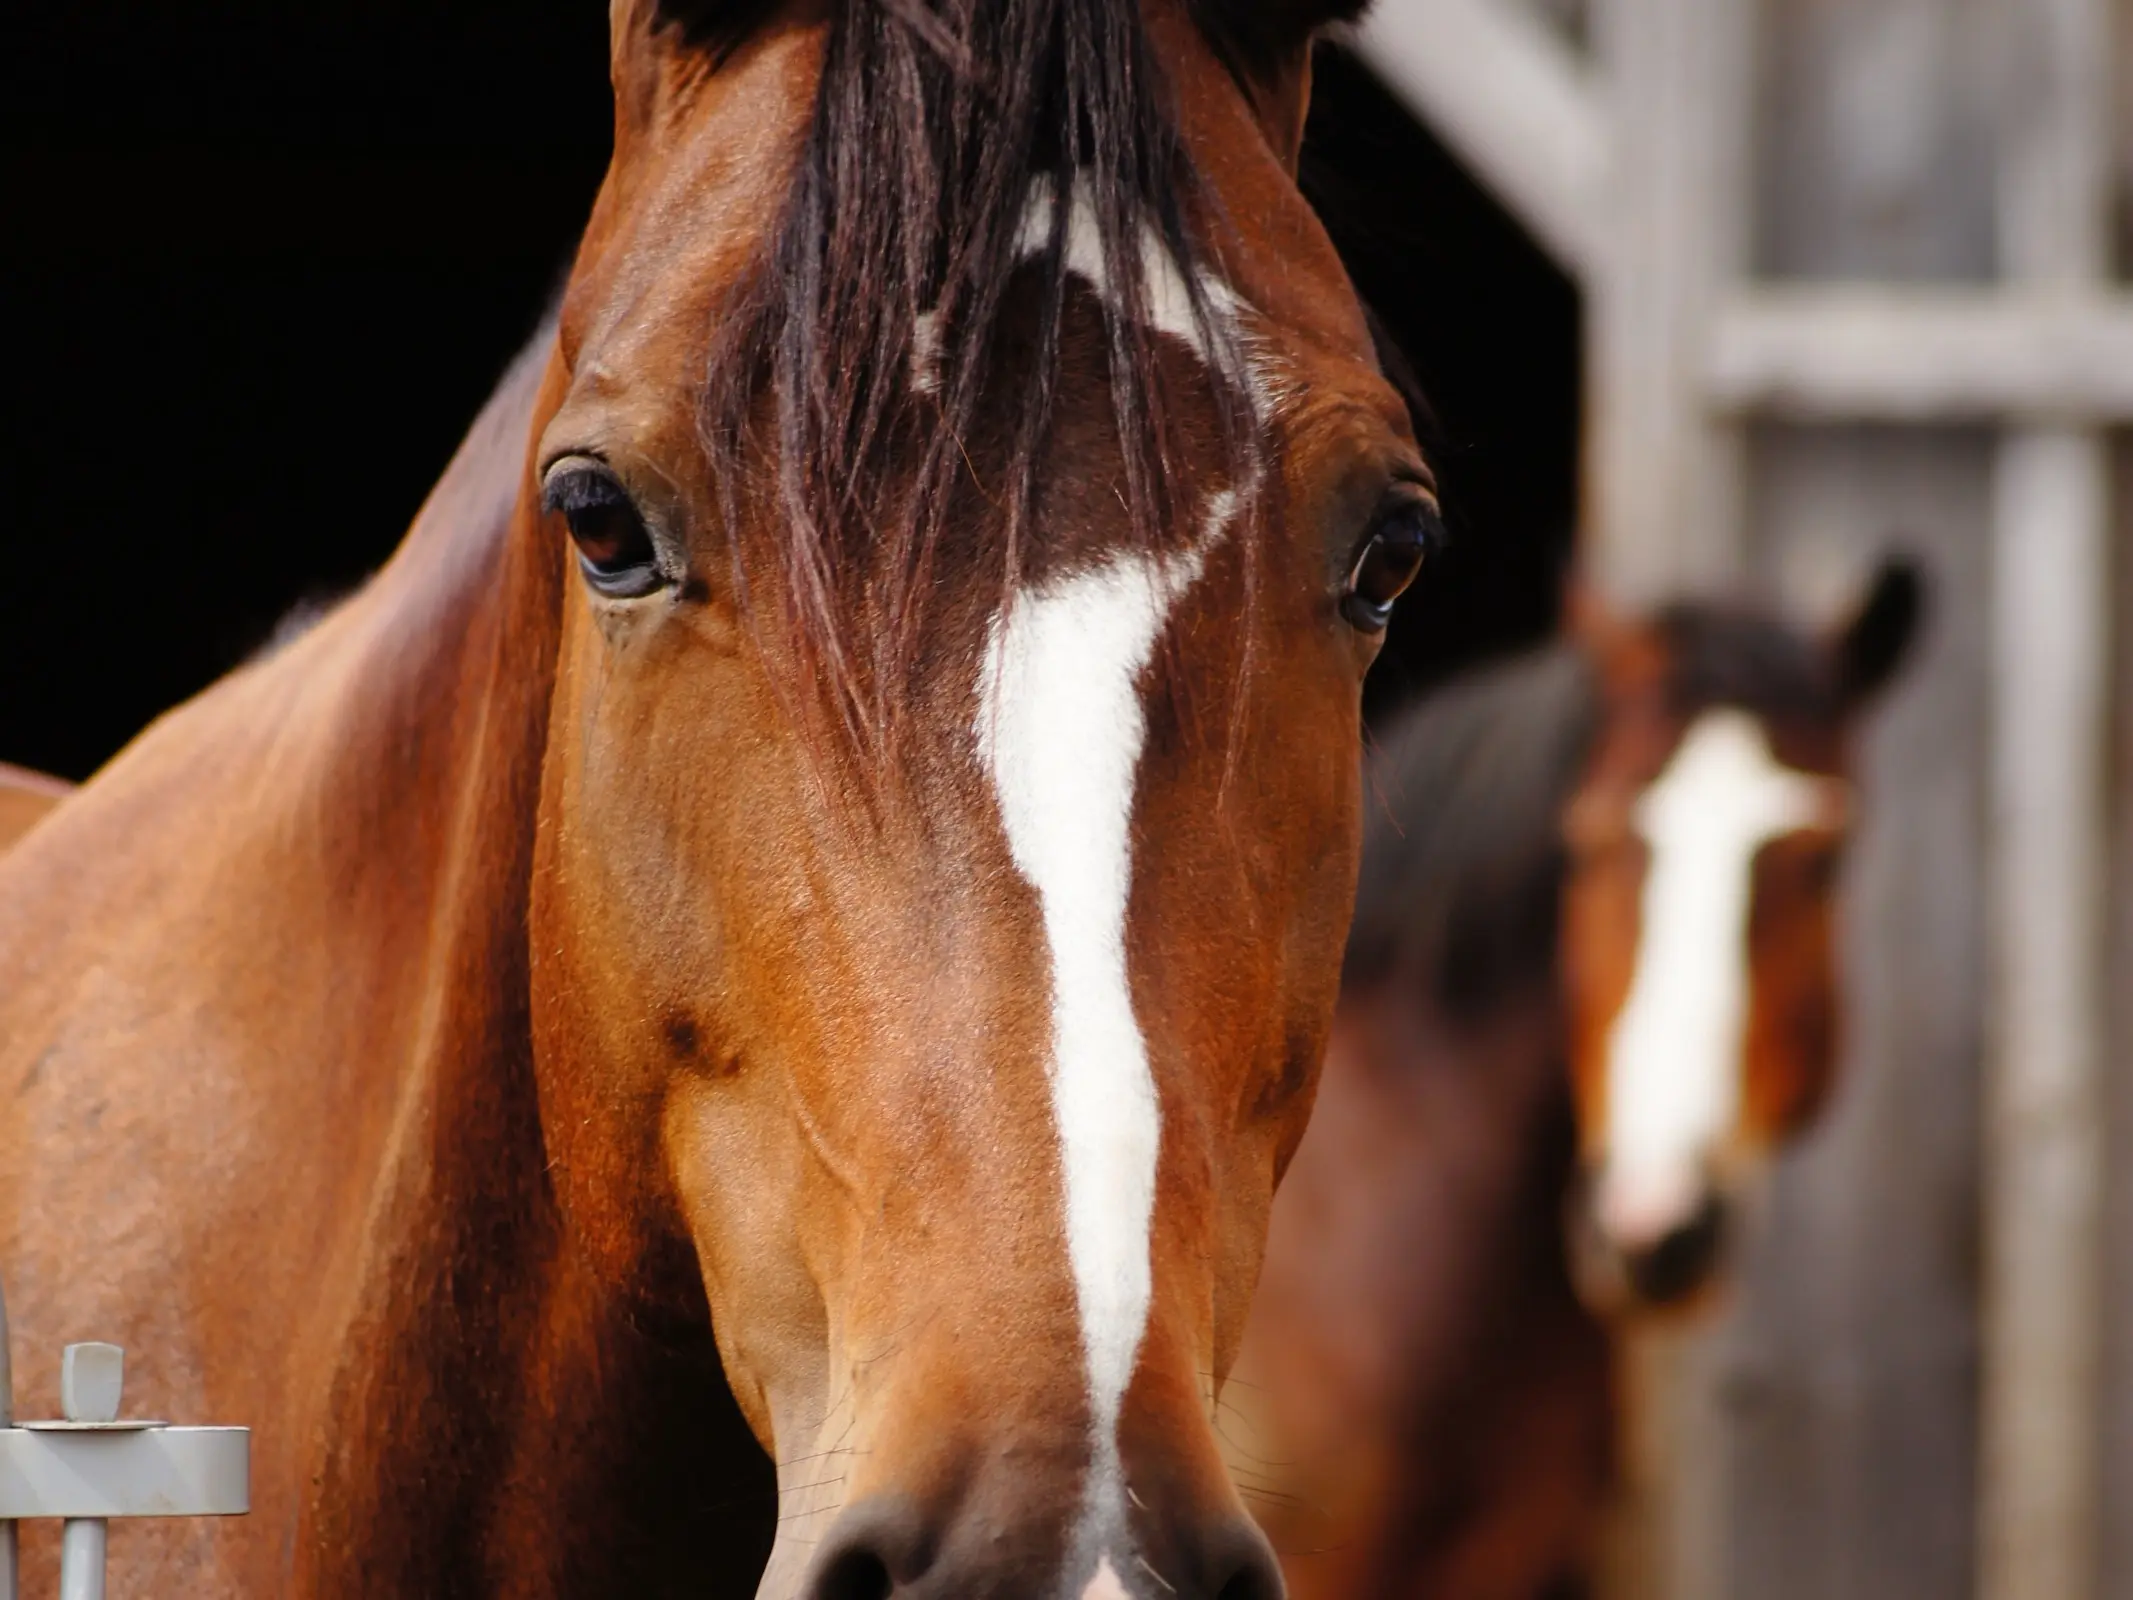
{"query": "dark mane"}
(1462, 846)
(929, 129)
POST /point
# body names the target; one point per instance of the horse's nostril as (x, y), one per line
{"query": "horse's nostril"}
(884, 1549)
(1254, 1574)
(854, 1575)
(869, 1551)
(1252, 1584)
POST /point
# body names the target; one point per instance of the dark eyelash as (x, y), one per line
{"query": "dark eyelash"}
(581, 489)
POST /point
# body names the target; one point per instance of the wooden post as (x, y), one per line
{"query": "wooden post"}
(2044, 1145)
(2044, 1158)
(1514, 103)
(1662, 516)
(1662, 479)
(2115, 1412)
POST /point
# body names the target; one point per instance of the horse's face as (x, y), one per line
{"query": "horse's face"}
(963, 1086)
(1699, 924)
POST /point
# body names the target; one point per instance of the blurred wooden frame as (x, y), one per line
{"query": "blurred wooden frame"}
(1629, 163)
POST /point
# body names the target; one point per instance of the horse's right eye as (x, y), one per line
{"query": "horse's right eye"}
(1388, 562)
(615, 549)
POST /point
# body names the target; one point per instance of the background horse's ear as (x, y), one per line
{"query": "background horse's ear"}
(1872, 645)
(1266, 44)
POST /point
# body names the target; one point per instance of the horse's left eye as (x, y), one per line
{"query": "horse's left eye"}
(1388, 563)
(615, 549)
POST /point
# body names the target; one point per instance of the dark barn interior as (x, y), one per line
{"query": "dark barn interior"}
(268, 260)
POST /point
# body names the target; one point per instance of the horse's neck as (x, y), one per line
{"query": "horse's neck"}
(440, 676)
(286, 929)
(504, 1422)
(424, 708)
(1500, 1392)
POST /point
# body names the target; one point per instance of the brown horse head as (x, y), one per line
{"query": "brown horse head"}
(976, 504)
(1699, 917)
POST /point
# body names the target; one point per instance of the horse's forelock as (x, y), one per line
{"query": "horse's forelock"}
(905, 223)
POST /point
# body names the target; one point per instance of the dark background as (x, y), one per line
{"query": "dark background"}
(265, 261)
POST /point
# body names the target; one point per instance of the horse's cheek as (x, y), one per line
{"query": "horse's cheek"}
(741, 1178)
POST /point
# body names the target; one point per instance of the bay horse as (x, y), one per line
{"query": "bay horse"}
(818, 870)
(1590, 985)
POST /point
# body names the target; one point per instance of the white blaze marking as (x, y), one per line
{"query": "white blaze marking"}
(1166, 306)
(1060, 729)
(1674, 1052)
(1105, 1585)
(926, 352)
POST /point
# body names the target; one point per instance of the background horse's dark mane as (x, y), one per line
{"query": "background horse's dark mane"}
(1462, 841)
(909, 196)
(1462, 846)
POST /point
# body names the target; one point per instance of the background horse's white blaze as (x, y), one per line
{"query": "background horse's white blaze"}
(1675, 1051)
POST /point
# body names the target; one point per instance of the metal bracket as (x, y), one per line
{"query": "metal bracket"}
(93, 1466)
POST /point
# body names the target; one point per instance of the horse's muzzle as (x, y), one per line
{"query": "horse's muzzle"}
(888, 1547)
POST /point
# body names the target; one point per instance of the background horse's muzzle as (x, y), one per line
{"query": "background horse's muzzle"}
(1663, 1266)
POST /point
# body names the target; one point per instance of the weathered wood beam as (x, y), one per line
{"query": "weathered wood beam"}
(1849, 354)
(1662, 473)
(1510, 98)
(2038, 1499)
(1663, 491)
(2044, 1157)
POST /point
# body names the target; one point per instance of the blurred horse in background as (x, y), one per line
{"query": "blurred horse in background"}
(1590, 984)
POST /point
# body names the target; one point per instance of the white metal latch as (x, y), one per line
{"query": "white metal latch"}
(92, 1466)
